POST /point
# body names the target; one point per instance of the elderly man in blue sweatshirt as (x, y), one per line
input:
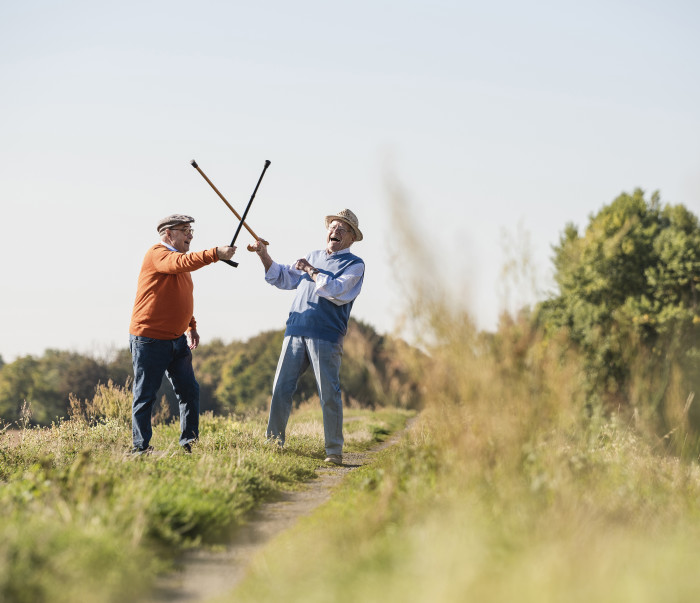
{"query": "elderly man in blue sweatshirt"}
(327, 282)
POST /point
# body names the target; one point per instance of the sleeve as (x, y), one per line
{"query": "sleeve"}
(343, 289)
(174, 262)
(283, 276)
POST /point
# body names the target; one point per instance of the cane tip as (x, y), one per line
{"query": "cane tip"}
(193, 163)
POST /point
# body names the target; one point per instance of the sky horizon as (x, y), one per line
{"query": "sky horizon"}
(501, 123)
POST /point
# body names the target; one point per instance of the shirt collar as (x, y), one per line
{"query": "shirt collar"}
(168, 246)
(346, 250)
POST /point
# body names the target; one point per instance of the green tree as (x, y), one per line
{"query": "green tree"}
(628, 296)
(17, 384)
(47, 382)
(379, 370)
(376, 370)
(208, 361)
(246, 378)
(120, 367)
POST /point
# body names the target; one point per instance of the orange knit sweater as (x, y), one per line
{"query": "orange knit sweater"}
(164, 301)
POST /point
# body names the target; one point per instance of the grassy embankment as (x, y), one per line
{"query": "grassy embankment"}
(82, 520)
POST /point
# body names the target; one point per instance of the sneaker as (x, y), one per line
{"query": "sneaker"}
(336, 459)
(139, 451)
(187, 448)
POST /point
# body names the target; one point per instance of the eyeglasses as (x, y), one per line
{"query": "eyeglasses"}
(187, 231)
(338, 230)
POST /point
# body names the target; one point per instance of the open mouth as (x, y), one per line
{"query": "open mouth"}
(336, 239)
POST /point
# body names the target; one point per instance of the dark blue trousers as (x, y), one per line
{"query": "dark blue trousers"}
(153, 358)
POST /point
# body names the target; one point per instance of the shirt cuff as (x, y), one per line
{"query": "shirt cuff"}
(321, 280)
(273, 272)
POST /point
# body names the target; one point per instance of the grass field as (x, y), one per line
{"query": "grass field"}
(85, 521)
(503, 489)
(500, 507)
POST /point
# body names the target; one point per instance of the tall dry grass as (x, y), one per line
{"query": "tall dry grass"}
(508, 488)
(112, 402)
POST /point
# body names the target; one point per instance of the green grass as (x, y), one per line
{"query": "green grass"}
(502, 490)
(84, 520)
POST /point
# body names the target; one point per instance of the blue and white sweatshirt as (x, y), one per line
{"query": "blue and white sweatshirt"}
(321, 309)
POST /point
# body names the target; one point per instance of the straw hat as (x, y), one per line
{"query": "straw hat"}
(350, 219)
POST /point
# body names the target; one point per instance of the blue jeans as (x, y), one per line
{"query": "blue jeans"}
(152, 358)
(324, 357)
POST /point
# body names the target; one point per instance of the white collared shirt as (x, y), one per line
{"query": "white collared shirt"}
(341, 290)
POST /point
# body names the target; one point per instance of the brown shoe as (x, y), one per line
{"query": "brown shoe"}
(336, 459)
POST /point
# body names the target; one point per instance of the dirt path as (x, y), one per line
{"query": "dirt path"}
(206, 574)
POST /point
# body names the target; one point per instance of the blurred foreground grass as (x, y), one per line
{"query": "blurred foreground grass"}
(503, 490)
(82, 520)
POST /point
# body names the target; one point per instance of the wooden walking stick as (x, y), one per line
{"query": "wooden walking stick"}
(235, 213)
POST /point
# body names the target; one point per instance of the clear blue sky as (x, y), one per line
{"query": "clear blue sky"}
(497, 118)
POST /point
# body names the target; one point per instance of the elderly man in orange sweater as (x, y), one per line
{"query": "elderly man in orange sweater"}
(163, 330)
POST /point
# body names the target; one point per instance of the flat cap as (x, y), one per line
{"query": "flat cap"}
(173, 220)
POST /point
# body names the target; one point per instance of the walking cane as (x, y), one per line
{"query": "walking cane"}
(245, 213)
